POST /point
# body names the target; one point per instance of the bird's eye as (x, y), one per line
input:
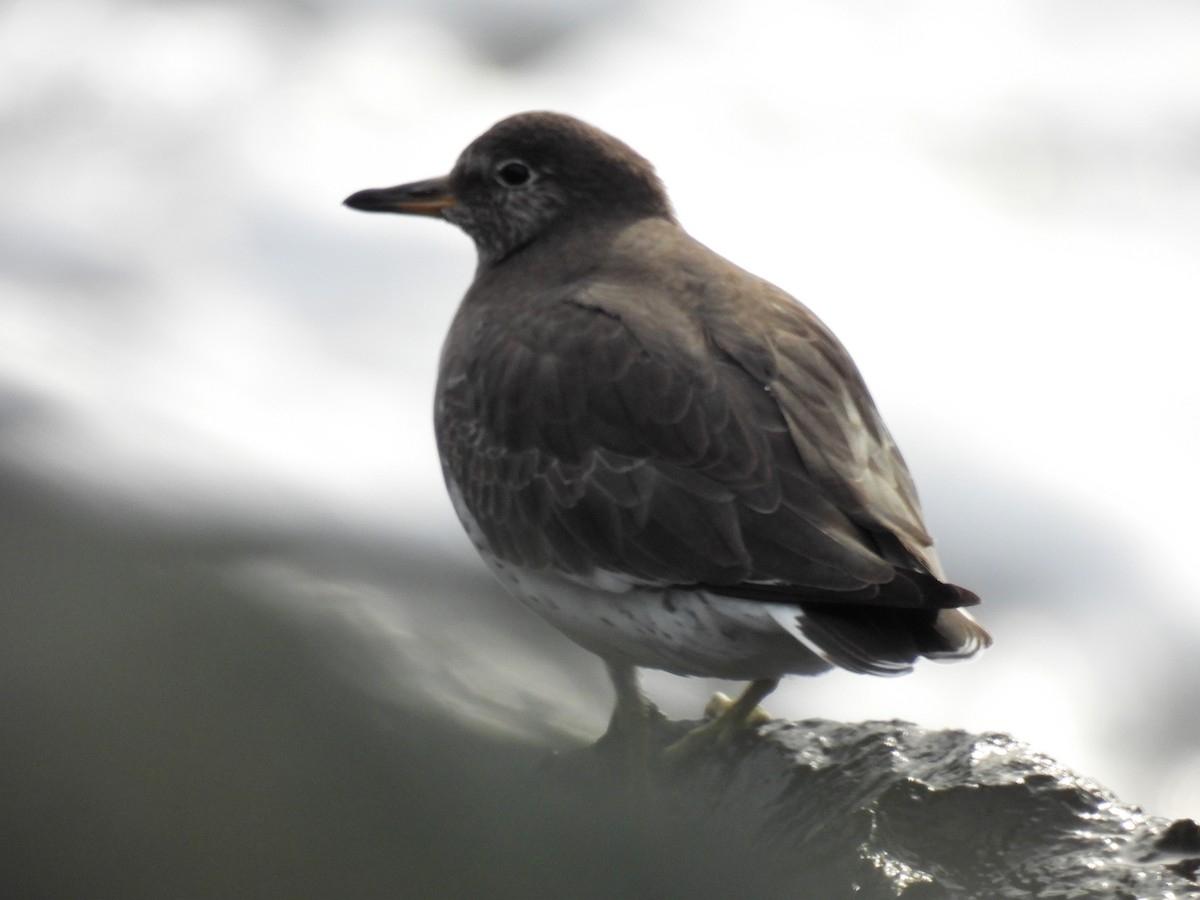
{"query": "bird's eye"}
(513, 173)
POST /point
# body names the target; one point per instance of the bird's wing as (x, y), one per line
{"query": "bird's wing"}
(841, 438)
(585, 440)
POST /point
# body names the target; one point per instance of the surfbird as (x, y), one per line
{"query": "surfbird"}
(671, 460)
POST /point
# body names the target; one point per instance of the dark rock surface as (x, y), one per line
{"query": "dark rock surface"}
(887, 809)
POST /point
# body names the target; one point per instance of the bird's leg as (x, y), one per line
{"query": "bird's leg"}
(632, 715)
(625, 746)
(730, 721)
(619, 762)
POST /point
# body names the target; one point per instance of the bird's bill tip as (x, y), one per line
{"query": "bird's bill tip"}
(420, 198)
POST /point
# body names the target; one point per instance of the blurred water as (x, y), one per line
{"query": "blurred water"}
(995, 206)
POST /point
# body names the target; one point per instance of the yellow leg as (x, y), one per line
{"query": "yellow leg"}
(731, 719)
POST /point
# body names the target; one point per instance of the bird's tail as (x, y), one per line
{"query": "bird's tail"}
(953, 634)
(879, 640)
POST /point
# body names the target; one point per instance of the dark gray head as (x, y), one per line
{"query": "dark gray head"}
(528, 174)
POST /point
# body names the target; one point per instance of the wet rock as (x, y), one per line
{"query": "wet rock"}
(888, 809)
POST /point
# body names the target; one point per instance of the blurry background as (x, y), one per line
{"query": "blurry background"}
(229, 561)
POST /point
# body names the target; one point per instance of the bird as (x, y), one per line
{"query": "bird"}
(671, 460)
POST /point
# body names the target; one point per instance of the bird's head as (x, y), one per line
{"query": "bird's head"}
(527, 175)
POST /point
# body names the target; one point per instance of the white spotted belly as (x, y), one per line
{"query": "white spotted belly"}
(688, 632)
(681, 630)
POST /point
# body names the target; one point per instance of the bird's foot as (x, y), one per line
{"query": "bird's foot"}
(630, 730)
(728, 721)
(620, 759)
(718, 703)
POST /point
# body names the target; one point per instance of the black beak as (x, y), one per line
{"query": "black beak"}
(420, 198)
